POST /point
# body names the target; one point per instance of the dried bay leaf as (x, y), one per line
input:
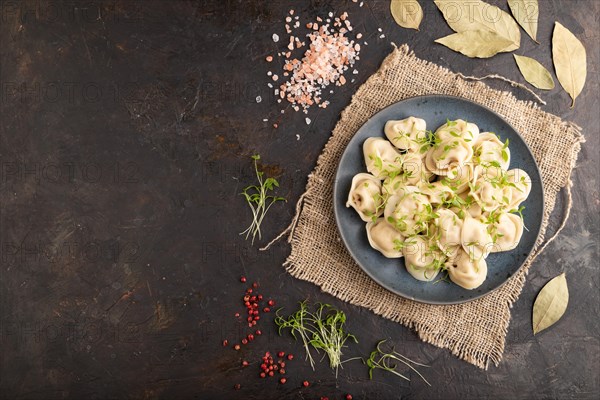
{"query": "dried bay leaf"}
(570, 61)
(534, 72)
(480, 44)
(407, 13)
(476, 15)
(550, 304)
(526, 12)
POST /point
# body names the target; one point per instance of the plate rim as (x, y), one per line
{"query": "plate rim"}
(336, 189)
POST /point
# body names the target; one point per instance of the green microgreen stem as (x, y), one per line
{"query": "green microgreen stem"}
(382, 359)
(323, 330)
(259, 200)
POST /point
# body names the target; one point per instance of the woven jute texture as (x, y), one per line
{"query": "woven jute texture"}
(474, 331)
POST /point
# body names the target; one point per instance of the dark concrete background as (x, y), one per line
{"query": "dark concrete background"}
(126, 131)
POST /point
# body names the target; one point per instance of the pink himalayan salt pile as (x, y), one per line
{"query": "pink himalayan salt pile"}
(329, 55)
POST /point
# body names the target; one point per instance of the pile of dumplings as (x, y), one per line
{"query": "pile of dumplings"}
(444, 201)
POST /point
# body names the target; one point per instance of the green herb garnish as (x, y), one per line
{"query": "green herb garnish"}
(259, 200)
(321, 330)
(383, 360)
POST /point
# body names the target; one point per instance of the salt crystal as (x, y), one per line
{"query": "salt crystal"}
(297, 137)
(269, 85)
(308, 121)
(275, 37)
(258, 99)
(381, 36)
(361, 3)
(380, 30)
(265, 120)
(330, 15)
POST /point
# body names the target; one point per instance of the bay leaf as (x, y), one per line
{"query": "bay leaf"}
(534, 72)
(476, 15)
(480, 44)
(526, 12)
(570, 61)
(550, 304)
(407, 13)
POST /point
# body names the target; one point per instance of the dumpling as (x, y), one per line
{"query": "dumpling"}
(458, 128)
(415, 170)
(475, 238)
(408, 134)
(381, 157)
(436, 192)
(407, 211)
(490, 194)
(489, 149)
(365, 196)
(522, 186)
(445, 157)
(467, 272)
(423, 260)
(448, 231)
(507, 232)
(384, 238)
(475, 210)
(459, 178)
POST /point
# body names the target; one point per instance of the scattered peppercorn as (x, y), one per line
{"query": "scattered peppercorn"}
(245, 363)
(243, 279)
(282, 381)
(271, 303)
(281, 354)
(237, 347)
(348, 397)
(306, 383)
(258, 332)
(290, 357)
(237, 386)
(225, 342)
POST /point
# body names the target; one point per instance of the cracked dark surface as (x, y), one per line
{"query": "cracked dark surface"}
(126, 130)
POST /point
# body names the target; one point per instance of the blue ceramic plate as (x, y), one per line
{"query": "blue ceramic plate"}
(391, 273)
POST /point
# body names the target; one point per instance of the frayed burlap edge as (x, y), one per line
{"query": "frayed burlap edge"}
(474, 331)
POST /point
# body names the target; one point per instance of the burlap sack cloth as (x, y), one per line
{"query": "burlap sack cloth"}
(475, 331)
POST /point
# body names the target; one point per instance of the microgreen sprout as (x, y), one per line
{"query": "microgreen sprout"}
(321, 330)
(259, 200)
(384, 360)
